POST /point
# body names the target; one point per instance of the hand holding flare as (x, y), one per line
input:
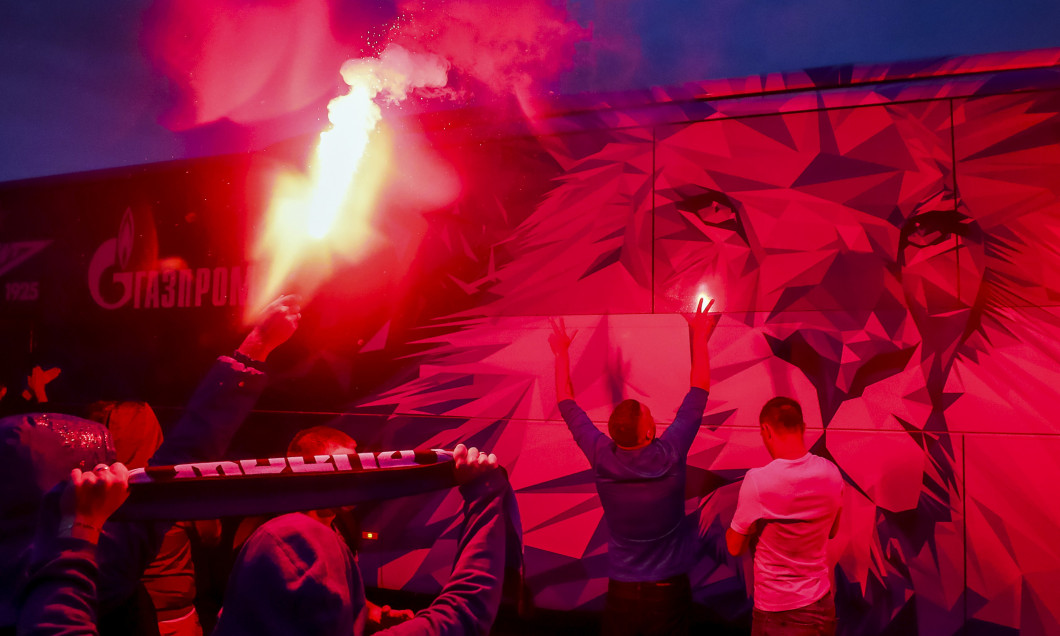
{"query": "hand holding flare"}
(700, 328)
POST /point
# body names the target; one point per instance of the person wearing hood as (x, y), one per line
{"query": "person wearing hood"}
(37, 450)
(169, 579)
(327, 440)
(60, 593)
(293, 576)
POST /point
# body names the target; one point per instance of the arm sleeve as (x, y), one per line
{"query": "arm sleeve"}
(125, 549)
(59, 595)
(469, 602)
(682, 432)
(748, 508)
(214, 413)
(586, 435)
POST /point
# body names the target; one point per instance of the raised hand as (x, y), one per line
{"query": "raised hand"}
(37, 380)
(700, 327)
(278, 322)
(560, 343)
(91, 497)
(559, 340)
(702, 322)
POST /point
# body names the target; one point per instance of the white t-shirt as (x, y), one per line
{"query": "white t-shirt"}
(797, 499)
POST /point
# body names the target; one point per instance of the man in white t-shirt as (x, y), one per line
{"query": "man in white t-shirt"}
(792, 506)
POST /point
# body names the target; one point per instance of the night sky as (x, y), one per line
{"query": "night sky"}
(98, 84)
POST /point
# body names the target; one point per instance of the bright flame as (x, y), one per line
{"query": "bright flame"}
(328, 211)
(701, 296)
(353, 116)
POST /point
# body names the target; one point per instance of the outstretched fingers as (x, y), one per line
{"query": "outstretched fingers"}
(559, 340)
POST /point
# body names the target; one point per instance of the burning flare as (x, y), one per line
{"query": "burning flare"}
(702, 296)
(327, 211)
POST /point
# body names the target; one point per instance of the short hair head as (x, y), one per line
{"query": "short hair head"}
(321, 440)
(783, 414)
(631, 425)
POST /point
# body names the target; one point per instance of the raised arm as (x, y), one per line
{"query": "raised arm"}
(36, 382)
(560, 343)
(279, 321)
(682, 432)
(700, 327)
(229, 391)
(586, 436)
(204, 431)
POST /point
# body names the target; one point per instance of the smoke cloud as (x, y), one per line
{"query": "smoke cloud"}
(397, 71)
(510, 47)
(252, 62)
(260, 64)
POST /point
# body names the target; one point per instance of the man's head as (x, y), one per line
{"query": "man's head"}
(781, 424)
(631, 425)
(321, 440)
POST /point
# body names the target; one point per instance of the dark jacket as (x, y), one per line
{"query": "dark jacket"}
(642, 492)
(295, 576)
(215, 412)
(37, 451)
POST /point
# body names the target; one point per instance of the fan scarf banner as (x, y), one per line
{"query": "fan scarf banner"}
(277, 485)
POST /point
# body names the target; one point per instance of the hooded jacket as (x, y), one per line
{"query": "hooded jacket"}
(295, 576)
(215, 412)
(37, 451)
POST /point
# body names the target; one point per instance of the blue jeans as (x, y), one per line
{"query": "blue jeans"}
(816, 619)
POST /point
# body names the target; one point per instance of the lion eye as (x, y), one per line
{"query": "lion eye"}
(712, 208)
(934, 227)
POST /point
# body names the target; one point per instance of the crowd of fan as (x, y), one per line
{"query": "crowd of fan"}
(66, 567)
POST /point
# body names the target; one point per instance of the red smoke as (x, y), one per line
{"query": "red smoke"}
(248, 61)
(511, 47)
(252, 62)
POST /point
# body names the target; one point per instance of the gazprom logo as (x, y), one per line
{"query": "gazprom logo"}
(113, 285)
(126, 238)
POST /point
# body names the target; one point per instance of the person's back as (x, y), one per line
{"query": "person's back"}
(792, 504)
(797, 502)
(642, 492)
(641, 483)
